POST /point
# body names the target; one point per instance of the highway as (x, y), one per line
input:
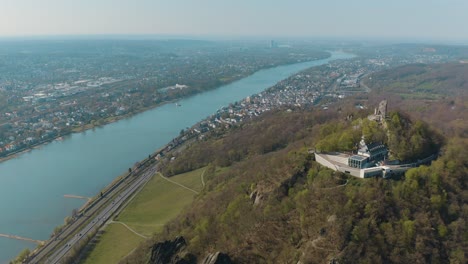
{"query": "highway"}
(96, 217)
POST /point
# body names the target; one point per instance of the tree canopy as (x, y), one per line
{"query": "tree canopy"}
(276, 205)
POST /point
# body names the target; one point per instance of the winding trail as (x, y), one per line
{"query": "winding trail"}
(338, 186)
(129, 228)
(317, 240)
(202, 179)
(183, 186)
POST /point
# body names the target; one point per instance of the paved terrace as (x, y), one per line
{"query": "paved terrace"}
(337, 162)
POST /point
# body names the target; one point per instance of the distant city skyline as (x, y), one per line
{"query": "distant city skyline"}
(437, 20)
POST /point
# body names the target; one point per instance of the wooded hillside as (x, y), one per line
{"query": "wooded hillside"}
(274, 204)
(434, 93)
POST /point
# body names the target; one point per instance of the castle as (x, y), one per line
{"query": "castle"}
(380, 113)
(368, 155)
(366, 162)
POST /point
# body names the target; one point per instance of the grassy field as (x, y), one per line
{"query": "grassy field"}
(159, 202)
(114, 244)
(155, 205)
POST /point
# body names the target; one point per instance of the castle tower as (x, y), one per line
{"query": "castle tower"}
(382, 109)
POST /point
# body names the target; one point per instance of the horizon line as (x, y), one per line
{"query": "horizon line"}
(219, 37)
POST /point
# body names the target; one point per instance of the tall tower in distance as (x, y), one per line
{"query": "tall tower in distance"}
(273, 44)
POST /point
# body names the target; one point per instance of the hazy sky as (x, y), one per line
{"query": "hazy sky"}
(414, 19)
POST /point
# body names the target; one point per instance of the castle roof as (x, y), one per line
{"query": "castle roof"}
(372, 148)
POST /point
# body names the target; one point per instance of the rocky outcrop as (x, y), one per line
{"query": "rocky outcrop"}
(169, 252)
(217, 258)
(287, 184)
(256, 197)
(172, 252)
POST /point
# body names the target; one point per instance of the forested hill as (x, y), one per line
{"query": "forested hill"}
(267, 201)
(408, 141)
(424, 80)
(435, 93)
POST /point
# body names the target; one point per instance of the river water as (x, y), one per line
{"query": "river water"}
(33, 185)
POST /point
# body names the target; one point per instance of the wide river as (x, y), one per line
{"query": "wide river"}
(33, 185)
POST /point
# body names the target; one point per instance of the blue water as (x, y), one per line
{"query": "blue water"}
(32, 186)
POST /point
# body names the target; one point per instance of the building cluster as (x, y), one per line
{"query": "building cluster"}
(72, 93)
(53, 92)
(40, 101)
(333, 82)
(367, 162)
(304, 89)
(371, 160)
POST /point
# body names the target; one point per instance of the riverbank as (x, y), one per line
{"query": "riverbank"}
(63, 232)
(113, 119)
(85, 163)
(26, 150)
(83, 128)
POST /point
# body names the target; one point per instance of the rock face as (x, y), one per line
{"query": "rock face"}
(168, 252)
(172, 252)
(287, 184)
(217, 258)
(256, 197)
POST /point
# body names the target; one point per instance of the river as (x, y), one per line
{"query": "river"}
(33, 185)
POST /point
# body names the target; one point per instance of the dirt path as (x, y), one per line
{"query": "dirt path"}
(338, 186)
(183, 186)
(129, 228)
(202, 179)
(314, 242)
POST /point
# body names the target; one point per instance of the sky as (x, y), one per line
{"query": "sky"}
(404, 19)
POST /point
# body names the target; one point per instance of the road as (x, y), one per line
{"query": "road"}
(363, 85)
(98, 215)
